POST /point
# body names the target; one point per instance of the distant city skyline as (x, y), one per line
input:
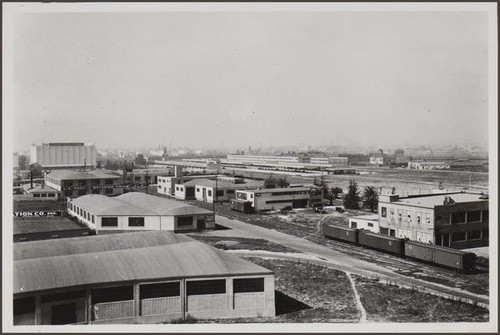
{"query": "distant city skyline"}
(230, 80)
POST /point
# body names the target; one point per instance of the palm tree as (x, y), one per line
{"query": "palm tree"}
(370, 197)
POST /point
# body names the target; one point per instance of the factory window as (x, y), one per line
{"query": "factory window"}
(354, 224)
(418, 219)
(230, 191)
(159, 187)
(248, 285)
(67, 183)
(109, 222)
(108, 191)
(184, 221)
(384, 231)
(384, 212)
(51, 195)
(486, 215)
(209, 192)
(82, 182)
(485, 233)
(458, 236)
(93, 218)
(63, 296)
(197, 189)
(24, 306)
(111, 294)
(136, 222)
(370, 224)
(44, 195)
(392, 232)
(251, 196)
(82, 192)
(137, 178)
(96, 182)
(474, 235)
(220, 193)
(473, 216)
(148, 291)
(458, 217)
(36, 195)
(108, 181)
(96, 191)
(201, 287)
(400, 216)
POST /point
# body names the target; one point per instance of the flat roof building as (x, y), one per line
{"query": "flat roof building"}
(44, 228)
(366, 222)
(279, 198)
(138, 211)
(144, 277)
(64, 155)
(458, 220)
(72, 183)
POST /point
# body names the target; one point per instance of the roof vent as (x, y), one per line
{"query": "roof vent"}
(448, 201)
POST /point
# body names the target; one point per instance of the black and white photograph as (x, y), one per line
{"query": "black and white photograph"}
(250, 167)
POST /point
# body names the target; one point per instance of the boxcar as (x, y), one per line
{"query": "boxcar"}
(241, 206)
(341, 233)
(447, 257)
(380, 242)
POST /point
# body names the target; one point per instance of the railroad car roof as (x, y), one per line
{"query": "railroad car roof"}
(189, 259)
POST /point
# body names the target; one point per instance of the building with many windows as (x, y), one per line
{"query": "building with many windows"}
(64, 155)
(142, 277)
(428, 165)
(138, 211)
(72, 183)
(458, 220)
(280, 198)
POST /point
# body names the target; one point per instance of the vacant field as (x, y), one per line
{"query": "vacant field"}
(237, 243)
(388, 303)
(307, 293)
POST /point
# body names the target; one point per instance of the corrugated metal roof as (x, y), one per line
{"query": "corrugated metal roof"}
(73, 174)
(190, 259)
(136, 203)
(42, 225)
(98, 243)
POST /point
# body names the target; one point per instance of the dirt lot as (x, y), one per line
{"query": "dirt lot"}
(388, 303)
(235, 243)
(318, 294)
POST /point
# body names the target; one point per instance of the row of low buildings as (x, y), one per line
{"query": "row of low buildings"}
(459, 220)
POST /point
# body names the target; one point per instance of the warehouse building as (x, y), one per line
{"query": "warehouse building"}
(141, 177)
(63, 155)
(458, 220)
(280, 198)
(144, 277)
(72, 183)
(40, 193)
(305, 159)
(366, 222)
(428, 165)
(44, 228)
(138, 211)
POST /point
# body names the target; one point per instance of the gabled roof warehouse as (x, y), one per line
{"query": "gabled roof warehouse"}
(131, 263)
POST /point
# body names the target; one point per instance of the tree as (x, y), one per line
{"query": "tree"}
(22, 162)
(140, 160)
(399, 152)
(352, 198)
(336, 191)
(370, 197)
(282, 182)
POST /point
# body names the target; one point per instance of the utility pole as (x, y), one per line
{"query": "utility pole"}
(214, 199)
(147, 182)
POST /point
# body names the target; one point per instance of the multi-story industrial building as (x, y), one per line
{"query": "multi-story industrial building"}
(279, 198)
(71, 183)
(142, 277)
(458, 220)
(256, 159)
(428, 165)
(63, 155)
(138, 211)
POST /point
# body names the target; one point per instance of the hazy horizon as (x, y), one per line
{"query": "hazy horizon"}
(225, 80)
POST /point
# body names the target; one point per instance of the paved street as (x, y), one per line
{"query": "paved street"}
(335, 259)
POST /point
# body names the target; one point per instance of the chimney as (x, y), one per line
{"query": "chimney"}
(178, 171)
(448, 201)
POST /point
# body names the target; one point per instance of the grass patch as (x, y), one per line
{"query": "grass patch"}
(384, 302)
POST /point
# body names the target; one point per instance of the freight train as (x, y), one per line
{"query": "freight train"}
(429, 253)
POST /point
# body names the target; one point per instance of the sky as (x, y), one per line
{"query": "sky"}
(219, 79)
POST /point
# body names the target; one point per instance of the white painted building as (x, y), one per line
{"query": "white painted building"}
(428, 165)
(366, 222)
(64, 155)
(138, 211)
